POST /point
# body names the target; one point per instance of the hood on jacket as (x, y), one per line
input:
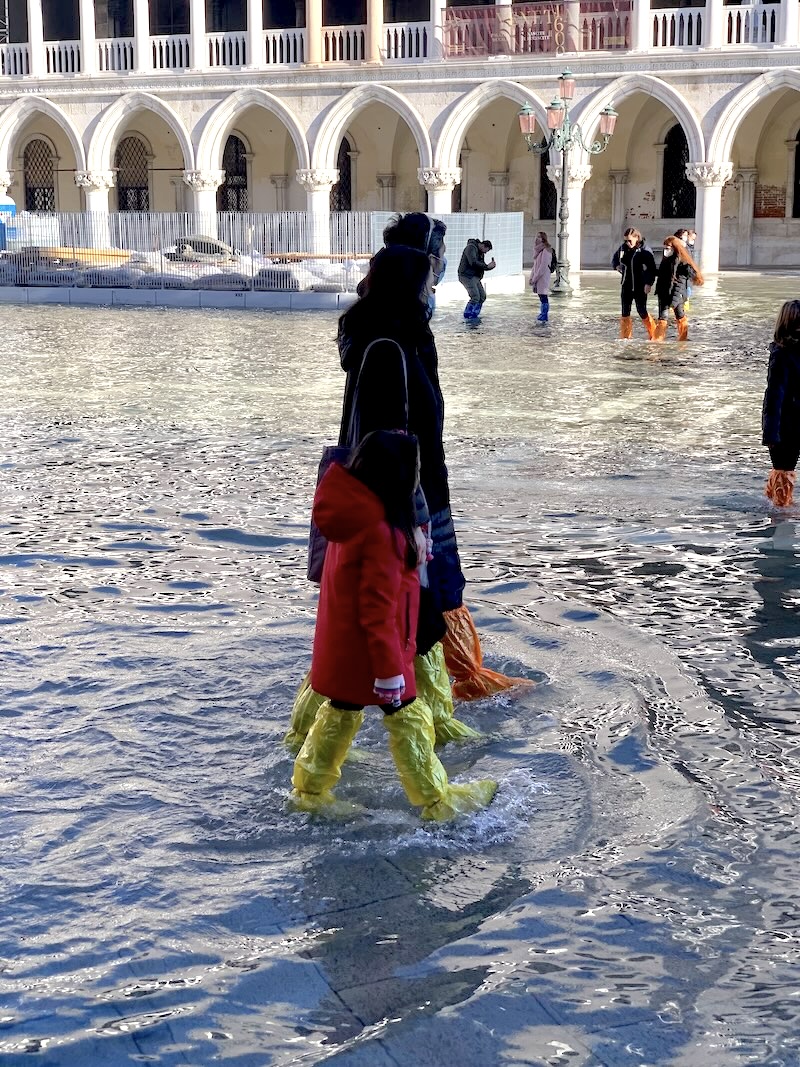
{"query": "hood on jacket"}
(344, 506)
(792, 354)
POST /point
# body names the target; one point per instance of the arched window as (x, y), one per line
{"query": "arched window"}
(342, 192)
(796, 197)
(548, 196)
(679, 195)
(133, 186)
(232, 194)
(40, 189)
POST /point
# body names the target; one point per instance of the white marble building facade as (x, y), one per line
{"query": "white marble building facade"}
(385, 115)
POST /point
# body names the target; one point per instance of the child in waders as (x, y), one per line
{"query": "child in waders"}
(780, 415)
(364, 643)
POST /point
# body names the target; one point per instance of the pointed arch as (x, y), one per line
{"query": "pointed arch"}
(587, 112)
(14, 117)
(102, 143)
(340, 115)
(464, 112)
(211, 142)
(741, 104)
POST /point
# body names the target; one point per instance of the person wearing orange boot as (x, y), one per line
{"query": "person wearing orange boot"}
(675, 271)
(636, 263)
(780, 414)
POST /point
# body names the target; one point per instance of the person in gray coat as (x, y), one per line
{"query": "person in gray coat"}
(471, 270)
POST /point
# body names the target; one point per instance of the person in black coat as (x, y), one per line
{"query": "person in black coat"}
(780, 414)
(636, 263)
(399, 390)
(675, 271)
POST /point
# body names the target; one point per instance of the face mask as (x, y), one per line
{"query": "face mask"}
(667, 251)
(691, 244)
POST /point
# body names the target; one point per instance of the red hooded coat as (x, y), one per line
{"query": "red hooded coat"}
(368, 598)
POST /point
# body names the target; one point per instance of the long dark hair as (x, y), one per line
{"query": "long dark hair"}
(416, 230)
(387, 462)
(787, 328)
(393, 291)
(682, 253)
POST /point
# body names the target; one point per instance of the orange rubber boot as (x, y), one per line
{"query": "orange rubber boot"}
(780, 487)
(625, 327)
(464, 659)
(661, 330)
(650, 326)
(683, 328)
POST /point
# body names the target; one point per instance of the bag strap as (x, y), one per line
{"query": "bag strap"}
(350, 435)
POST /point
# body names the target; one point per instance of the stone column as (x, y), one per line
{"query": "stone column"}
(498, 179)
(716, 15)
(88, 38)
(572, 26)
(375, 45)
(438, 9)
(709, 177)
(745, 180)
(642, 26)
(578, 175)
(439, 185)
(35, 38)
(281, 183)
(96, 185)
(387, 183)
(255, 35)
(789, 34)
(318, 183)
(142, 51)
(204, 185)
(313, 31)
(197, 30)
(619, 206)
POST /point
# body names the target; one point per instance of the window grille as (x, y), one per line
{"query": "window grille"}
(133, 185)
(40, 190)
(342, 192)
(679, 194)
(232, 194)
(548, 195)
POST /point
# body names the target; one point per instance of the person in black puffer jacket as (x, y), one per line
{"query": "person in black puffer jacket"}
(675, 271)
(393, 305)
(780, 414)
(636, 263)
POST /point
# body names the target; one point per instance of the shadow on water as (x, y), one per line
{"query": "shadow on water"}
(630, 897)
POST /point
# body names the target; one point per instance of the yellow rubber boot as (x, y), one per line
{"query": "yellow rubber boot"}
(683, 328)
(411, 740)
(464, 659)
(780, 487)
(318, 766)
(304, 710)
(626, 327)
(660, 330)
(650, 326)
(433, 687)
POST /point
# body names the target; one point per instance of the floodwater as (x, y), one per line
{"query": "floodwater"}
(632, 897)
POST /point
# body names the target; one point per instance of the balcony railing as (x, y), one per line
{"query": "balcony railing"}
(283, 48)
(754, 25)
(538, 28)
(678, 28)
(62, 57)
(172, 52)
(344, 44)
(14, 60)
(226, 49)
(115, 54)
(407, 42)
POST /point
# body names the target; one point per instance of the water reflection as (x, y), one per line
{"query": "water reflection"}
(632, 895)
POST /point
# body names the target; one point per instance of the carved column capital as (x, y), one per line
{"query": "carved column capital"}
(6, 179)
(578, 174)
(386, 181)
(95, 179)
(280, 181)
(620, 177)
(498, 177)
(707, 174)
(745, 176)
(204, 181)
(436, 178)
(317, 179)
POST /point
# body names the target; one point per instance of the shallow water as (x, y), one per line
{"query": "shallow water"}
(632, 895)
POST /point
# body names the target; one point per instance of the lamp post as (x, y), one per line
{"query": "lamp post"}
(564, 135)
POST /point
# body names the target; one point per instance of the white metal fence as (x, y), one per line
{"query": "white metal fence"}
(282, 251)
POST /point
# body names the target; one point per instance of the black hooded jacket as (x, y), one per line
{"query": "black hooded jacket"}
(780, 414)
(637, 266)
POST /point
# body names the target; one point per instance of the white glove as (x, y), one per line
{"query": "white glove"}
(390, 690)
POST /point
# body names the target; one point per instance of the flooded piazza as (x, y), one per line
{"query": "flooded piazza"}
(632, 896)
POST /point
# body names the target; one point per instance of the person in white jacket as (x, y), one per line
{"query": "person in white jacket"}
(540, 273)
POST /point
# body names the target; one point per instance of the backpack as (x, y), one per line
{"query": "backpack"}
(553, 262)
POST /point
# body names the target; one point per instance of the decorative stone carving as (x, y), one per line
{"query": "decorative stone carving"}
(6, 179)
(280, 181)
(619, 177)
(204, 181)
(498, 177)
(436, 178)
(577, 175)
(708, 174)
(95, 179)
(386, 181)
(317, 178)
(745, 176)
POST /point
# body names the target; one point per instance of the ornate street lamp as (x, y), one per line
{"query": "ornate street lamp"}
(565, 134)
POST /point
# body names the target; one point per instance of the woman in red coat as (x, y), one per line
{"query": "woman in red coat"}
(365, 638)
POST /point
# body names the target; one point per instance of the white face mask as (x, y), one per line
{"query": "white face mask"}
(690, 244)
(667, 251)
